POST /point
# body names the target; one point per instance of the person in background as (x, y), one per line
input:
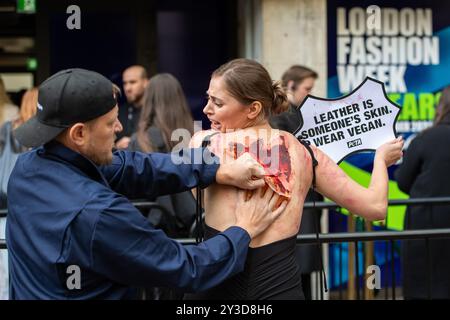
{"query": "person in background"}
(27, 110)
(28, 107)
(297, 82)
(8, 111)
(164, 111)
(135, 81)
(425, 172)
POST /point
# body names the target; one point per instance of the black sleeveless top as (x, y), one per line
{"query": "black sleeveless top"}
(270, 273)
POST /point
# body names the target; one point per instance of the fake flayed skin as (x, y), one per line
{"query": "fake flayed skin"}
(273, 157)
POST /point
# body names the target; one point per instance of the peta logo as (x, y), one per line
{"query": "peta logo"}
(354, 143)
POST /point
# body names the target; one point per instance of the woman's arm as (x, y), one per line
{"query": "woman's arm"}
(369, 203)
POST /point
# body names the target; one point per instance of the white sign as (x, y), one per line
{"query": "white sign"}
(360, 121)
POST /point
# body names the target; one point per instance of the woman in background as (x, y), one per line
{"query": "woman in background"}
(27, 110)
(8, 111)
(425, 172)
(165, 110)
(7, 161)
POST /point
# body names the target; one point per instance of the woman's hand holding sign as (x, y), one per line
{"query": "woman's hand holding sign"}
(391, 151)
(370, 202)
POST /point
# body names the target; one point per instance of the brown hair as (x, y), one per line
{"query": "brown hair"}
(165, 107)
(297, 74)
(4, 99)
(248, 81)
(28, 106)
(443, 109)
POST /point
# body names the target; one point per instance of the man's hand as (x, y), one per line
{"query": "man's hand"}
(123, 143)
(256, 214)
(244, 172)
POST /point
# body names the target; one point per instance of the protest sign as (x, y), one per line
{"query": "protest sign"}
(360, 121)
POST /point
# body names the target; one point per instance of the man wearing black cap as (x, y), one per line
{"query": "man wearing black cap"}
(72, 234)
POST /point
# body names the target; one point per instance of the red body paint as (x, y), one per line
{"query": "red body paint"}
(273, 158)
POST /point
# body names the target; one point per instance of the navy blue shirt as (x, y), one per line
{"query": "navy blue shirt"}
(63, 210)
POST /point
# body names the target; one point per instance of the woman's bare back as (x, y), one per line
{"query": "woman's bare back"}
(288, 172)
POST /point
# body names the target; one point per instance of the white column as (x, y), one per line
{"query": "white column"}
(295, 32)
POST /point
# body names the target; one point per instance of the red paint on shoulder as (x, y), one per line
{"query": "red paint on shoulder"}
(273, 157)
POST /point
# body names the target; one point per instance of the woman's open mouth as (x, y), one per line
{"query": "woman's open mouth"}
(215, 125)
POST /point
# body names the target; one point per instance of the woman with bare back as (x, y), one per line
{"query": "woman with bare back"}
(241, 97)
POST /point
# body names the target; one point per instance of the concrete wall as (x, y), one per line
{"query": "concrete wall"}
(295, 32)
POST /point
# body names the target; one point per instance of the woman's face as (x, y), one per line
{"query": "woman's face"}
(302, 90)
(223, 110)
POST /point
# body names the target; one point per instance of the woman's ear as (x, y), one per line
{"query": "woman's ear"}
(291, 85)
(254, 110)
(78, 134)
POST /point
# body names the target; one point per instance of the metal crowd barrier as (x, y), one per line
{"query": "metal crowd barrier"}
(351, 237)
(308, 205)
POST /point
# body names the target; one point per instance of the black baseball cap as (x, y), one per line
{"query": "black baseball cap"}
(68, 97)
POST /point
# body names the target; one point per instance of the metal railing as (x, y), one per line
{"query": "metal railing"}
(309, 205)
